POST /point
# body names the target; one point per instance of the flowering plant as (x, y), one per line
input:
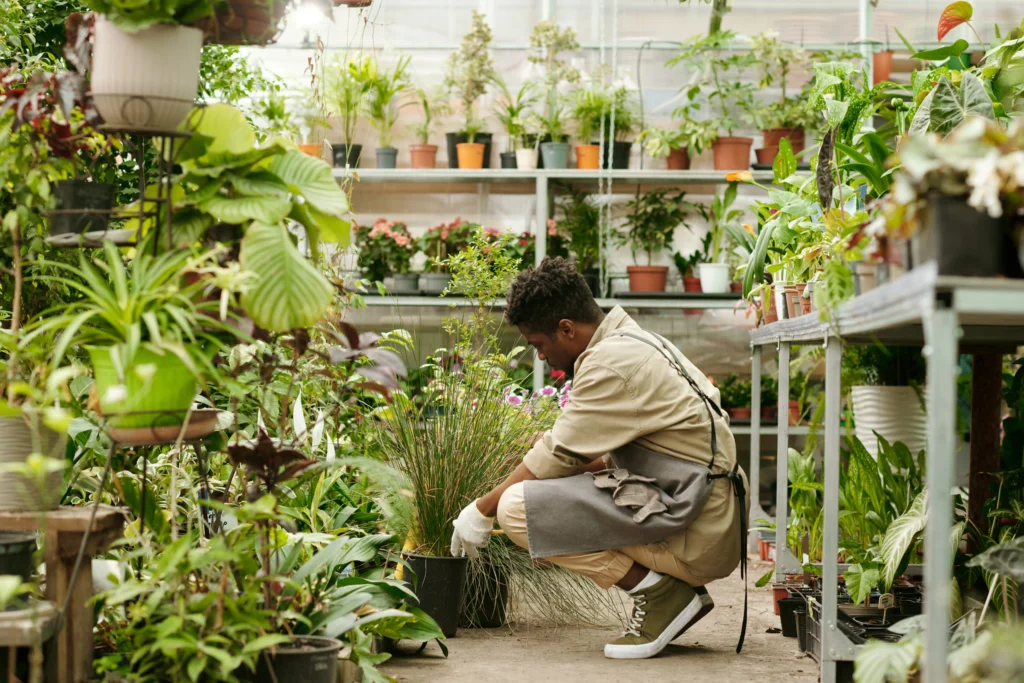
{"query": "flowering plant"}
(543, 405)
(385, 247)
(443, 240)
(524, 247)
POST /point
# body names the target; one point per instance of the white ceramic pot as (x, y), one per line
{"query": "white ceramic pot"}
(526, 159)
(714, 278)
(17, 494)
(894, 412)
(147, 80)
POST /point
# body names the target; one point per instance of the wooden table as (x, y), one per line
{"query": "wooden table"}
(64, 529)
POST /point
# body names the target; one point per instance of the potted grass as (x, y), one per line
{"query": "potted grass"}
(145, 63)
(467, 73)
(512, 111)
(424, 154)
(714, 273)
(735, 395)
(438, 243)
(555, 150)
(786, 117)
(651, 221)
(348, 84)
(587, 105)
(385, 255)
(619, 123)
(382, 108)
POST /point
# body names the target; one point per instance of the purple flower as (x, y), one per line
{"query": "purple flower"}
(563, 401)
(548, 391)
(514, 399)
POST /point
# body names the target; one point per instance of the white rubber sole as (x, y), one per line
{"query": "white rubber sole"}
(671, 632)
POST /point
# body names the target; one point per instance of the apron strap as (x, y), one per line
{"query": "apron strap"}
(740, 491)
(665, 349)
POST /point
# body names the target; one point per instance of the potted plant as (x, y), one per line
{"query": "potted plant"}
(467, 73)
(735, 397)
(385, 255)
(145, 62)
(881, 62)
(252, 22)
(581, 224)
(555, 151)
(424, 154)
(512, 112)
(587, 107)
(726, 92)
(688, 265)
(347, 85)
(310, 123)
(784, 118)
(714, 274)
(382, 109)
(438, 243)
(620, 123)
(651, 220)
(547, 43)
(887, 394)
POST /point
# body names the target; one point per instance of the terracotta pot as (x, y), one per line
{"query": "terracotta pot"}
(739, 413)
(762, 549)
(765, 155)
(882, 66)
(769, 313)
(769, 413)
(678, 160)
(691, 284)
(588, 156)
(778, 594)
(647, 278)
(471, 155)
(774, 136)
(423, 156)
(793, 307)
(311, 148)
(794, 413)
(736, 287)
(732, 154)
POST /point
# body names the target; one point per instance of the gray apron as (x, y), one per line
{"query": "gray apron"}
(647, 497)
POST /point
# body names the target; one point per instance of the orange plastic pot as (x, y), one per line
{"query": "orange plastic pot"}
(588, 156)
(423, 156)
(678, 160)
(794, 413)
(732, 154)
(471, 155)
(647, 278)
(311, 148)
(691, 284)
(882, 66)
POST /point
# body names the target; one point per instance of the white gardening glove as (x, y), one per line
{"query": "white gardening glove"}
(472, 531)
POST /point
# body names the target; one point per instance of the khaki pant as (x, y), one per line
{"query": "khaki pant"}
(605, 567)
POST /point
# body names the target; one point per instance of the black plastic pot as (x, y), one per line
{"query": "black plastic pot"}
(307, 659)
(801, 628)
(351, 153)
(592, 276)
(787, 611)
(16, 550)
(454, 139)
(619, 153)
(508, 160)
(439, 583)
(908, 607)
(486, 602)
(965, 241)
(81, 195)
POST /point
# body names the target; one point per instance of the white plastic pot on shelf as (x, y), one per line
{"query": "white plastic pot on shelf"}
(714, 278)
(894, 412)
(526, 159)
(147, 80)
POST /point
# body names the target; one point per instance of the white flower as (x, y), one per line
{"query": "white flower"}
(115, 393)
(986, 185)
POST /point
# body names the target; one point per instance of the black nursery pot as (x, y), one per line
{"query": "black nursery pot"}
(787, 612)
(592, 276)
(439, 583)
(81, 195)
(801, 629)
(508, 160)
(489, 607)
(454, 139)
(307, 659)
(965, 241)
(16, 550)
(619, 154)
(350, 153)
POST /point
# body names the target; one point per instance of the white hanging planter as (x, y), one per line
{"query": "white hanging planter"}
(893, 412)
(147, 80)
(714, 278)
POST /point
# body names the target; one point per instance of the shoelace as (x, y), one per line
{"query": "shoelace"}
(636, 622)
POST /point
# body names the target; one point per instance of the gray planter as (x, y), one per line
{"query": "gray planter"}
(387, 157)
(406, 284)
(556, 154)
(434, 284)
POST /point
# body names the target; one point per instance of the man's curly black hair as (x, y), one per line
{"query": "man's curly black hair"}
(553, 291)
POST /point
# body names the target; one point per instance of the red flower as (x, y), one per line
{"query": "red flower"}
(558, 374)
(523, 242)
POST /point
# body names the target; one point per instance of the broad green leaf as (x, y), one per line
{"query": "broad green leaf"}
(945, 52)
(950, 107)
(835, 111)
(880, 662)
(289, 292)
(260, 183)
(424, 628)
(953, 15)
(225, 126)
(755, 269)
(329, 228)
(922, 120)
(239, 210)
(860, 582)
(900, 537)
(785, 161)
(312, 178)
(265, 642)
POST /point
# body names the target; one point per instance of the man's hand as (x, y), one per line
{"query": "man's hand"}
(472, 531)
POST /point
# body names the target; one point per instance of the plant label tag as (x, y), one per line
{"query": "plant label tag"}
(887, 601)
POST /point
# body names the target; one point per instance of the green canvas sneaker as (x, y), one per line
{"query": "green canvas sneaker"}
(660, 614)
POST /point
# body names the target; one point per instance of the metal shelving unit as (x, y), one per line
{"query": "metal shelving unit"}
(944, 315)
(459, 302)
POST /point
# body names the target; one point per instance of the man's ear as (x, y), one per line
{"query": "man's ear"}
(567, 328)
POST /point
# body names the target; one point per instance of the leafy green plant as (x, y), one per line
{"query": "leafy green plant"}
(384, 248)
(135, 15)
(775, 60)
(432, 107)
(385, 87)
(470, 69)
(723, 223)
(547, 42)
(721, 84)
(581, 223)
(735, 392)
(348, 83)
(599, 108)
(512, 111)
(441, 241)
(651, 221)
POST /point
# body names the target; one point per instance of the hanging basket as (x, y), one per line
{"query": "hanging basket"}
(245, 22)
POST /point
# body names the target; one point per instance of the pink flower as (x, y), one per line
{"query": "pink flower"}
(444, 234)
(380, 224)
(401, 240)
(514, 399)
(548, 391)
(492, 232)
(562, 402)
(551, 225)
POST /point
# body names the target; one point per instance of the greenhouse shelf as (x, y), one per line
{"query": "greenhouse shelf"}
(943, 314)
(460, 302)
(497, 175)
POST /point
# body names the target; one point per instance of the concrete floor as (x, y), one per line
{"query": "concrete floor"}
(706, 653)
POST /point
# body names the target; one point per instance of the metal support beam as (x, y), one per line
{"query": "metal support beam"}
(986, 405)
(866, 31)
(830, 532)
(541, 233)
(755, 445)
(785, 562)
(941, 335)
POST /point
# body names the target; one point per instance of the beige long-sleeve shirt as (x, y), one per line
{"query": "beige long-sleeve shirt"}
(623, 391)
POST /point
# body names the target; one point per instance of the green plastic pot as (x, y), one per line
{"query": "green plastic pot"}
(163, 399)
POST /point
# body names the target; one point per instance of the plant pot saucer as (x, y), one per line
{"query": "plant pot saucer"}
(92, 240)
(802, 166)
(201, 423)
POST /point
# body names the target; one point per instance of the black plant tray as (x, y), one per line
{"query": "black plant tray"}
(681, 296)
(768, 167)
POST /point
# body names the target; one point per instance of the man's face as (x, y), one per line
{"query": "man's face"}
(559, 349)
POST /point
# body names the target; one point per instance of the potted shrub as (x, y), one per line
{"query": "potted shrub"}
(555, 151)
(385, 255)
(424, 154)
(620, 123)
(651, 220)
(714, 274)
(347, 86)
(587, 105)
(382, 109)
(687, 266)
(581, 224)
(145, 62)
(438, 243)
(467, 73)
(512, 112)
(597, 110)
(784, 118)
(887, 393)
(547, 43)
(735, 396)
